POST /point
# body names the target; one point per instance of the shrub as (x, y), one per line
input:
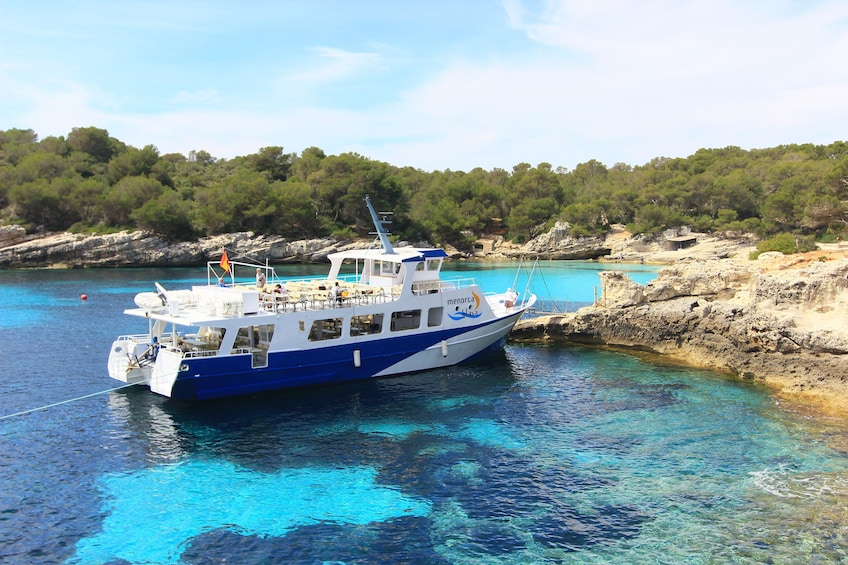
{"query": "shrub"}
(786, 243)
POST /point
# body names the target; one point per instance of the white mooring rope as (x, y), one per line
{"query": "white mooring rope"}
(46, 406)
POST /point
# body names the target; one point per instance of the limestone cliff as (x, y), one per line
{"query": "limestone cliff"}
(555, 244)
(144, 249)
(140, 249)
(780, 320)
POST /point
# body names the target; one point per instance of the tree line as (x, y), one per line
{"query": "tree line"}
(90, 181)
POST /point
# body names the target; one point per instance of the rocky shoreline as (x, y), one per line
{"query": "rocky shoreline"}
(21, 250)
(779, 320)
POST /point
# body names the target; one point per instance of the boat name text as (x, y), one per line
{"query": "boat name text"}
(463, 300)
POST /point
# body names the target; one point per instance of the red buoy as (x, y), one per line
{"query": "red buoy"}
(83, 297)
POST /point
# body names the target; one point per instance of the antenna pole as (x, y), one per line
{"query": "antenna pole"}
(381, 229)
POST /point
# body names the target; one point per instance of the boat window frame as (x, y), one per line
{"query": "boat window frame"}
(258, 338)
(335, 329)
(389, 268)
(435, 316)
(405, 320)
(367, 324)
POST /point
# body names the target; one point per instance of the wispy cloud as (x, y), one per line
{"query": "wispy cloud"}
(557, 81)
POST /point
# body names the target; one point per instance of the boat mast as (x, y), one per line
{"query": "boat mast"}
(381, 229)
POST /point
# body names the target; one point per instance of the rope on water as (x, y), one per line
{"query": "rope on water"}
(46, 406)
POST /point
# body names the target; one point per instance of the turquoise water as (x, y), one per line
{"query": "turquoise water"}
(560, 285)
(539, 454)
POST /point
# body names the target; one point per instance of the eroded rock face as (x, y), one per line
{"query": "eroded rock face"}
(558, 244)
(787, 327)
(12, 235)
(21, 250)
(141, 249)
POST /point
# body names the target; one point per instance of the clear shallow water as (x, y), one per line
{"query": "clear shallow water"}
(541, 454)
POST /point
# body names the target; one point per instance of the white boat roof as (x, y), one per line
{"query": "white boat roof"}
(400, 254)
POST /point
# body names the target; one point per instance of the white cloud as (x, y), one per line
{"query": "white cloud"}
(331, 65)
(621, 82)
(614, 81)
(60, 108)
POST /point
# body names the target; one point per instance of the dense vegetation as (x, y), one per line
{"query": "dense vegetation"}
(90, 181)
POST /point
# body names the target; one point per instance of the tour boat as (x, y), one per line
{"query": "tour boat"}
(379, 312)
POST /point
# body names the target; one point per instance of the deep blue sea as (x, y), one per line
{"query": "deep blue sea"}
(540, 454)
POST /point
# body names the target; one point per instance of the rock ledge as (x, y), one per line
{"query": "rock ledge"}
(779, 320)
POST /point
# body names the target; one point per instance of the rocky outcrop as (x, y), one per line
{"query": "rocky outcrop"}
(556, 244)
(144, 249)
(12, 235)
(140, 249)
(21, 250)
(772, 321)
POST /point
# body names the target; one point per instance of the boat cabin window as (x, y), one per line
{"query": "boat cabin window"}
(256, 340)
(209, 337)
(389, 268)
(406, 320)
(433, 264)
(366, 325)
(419, 266)
(434, 316)
(245, 338)
(330, 328)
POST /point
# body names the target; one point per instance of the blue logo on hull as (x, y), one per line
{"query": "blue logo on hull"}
(471, 311)
(461, 315)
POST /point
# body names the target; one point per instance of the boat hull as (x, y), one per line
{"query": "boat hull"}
(218, 377)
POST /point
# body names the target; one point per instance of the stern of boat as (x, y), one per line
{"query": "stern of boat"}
(124, 361)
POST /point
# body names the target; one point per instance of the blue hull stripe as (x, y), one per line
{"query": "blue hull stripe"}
(215, 377)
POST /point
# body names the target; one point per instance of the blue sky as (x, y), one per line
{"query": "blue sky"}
(433, 85)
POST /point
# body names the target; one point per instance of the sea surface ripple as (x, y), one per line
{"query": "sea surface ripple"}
(538, 454)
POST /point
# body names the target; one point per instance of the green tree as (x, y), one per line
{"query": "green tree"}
(40, 165)
(241, 201)
(15, 144)
(308, 163)
(297, 215)
(652, 219)
(121, 199)
(823, 211)
(587, 218)
(94, 142)
(35, 203)
(80, 201)
(132, 163)
(534, 198)
(272, 162)
(167, 215)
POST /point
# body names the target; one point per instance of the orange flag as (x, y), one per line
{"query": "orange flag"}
(225, 262)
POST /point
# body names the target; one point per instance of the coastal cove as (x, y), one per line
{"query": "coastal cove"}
(543, 453)
(797, 350)
(799, 353)
(779, 320)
